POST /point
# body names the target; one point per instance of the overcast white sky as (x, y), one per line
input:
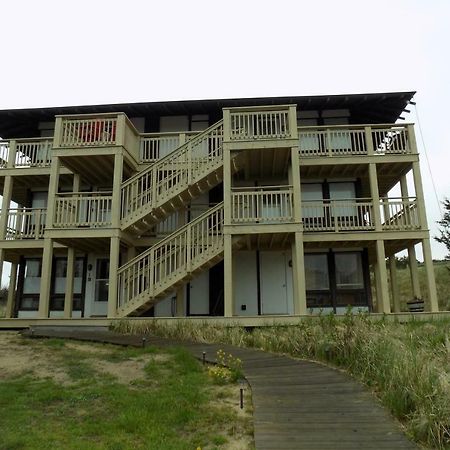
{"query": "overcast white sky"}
(107, 51)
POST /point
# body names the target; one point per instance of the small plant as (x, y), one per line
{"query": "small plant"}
(227, 370)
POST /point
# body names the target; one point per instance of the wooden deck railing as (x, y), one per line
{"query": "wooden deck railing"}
(260, 123)
(83, 209)
(268, 204)
(338, 215)
(33, 152)
(155, 270)
(87, 131)
(399, 213)
(25, 223)
(154, 146)
(345, 140)
(173, 173)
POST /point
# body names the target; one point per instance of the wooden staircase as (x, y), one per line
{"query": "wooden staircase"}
(170, 263)
(172, 182)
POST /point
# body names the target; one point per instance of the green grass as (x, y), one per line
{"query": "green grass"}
(406, 365)
(168, 408)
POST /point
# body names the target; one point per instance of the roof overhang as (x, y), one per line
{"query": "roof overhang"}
(364, 108)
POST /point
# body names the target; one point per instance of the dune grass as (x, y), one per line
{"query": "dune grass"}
(406, 365)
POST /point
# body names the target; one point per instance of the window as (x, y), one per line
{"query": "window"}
(59, 284)
(335, 280)
(343, 194)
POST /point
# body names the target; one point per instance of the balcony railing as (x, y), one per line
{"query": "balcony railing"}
(36, 152)
(25, 223)
(338, 215)
(260, 123)
(266, 205)
(154, 146)
(399, 213)
(88, 131)
(83, 209)
(345, 140)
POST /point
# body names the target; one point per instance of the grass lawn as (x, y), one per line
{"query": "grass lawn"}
(57, 394)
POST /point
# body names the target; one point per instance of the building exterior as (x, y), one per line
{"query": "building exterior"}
(238, 207)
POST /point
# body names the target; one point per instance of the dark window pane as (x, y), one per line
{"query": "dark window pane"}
(316, 272)
(349, 272)
(318, 299)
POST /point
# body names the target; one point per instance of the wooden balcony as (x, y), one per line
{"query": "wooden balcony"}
(262, 205)
(397, 214)
(26, 153)
(260, 127)
(83, 210)
(356, 140)
(25, 223)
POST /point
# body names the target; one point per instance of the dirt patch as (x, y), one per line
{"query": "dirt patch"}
(130, 370)
(18, 359)
(228, 397)
(92, 349)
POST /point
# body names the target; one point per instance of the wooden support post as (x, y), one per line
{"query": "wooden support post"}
(394, 284)
(114, 254)
(68, 298)
(228, 296)
(414, 271)
(419, 195)
(432, 305)
(46, 279)
(227, 185)
(52, 191)
(374, 193)
(383, 302)
(11, 291)
(298, 275)
(6, 202)
(116, 191)
(295, 182)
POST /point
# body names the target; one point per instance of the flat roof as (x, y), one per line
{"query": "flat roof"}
(367, 108)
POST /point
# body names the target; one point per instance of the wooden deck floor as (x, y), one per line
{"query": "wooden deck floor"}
(297, 404)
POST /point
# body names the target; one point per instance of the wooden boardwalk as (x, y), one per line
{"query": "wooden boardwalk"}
(297, 404)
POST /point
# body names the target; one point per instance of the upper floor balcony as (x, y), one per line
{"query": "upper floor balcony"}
(26, 153)
(356, 140)
(275, 205)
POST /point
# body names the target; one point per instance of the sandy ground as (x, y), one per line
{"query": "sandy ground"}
(20, 356)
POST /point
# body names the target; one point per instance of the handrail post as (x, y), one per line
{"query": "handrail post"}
(368, 140)
(226, 124)
(411, 140)
(12, 154)
(292, 119)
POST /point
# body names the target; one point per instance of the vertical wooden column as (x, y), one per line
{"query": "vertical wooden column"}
(228, 296)
(394, 283)
(68, 298)
(298, 258)
(114, 256)
(375, 194)
(298, 275)
(383, 302)
(228, 238)
(7, 193)
(116, 191)
(432, 305)
(11, 291)
(46, 278)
